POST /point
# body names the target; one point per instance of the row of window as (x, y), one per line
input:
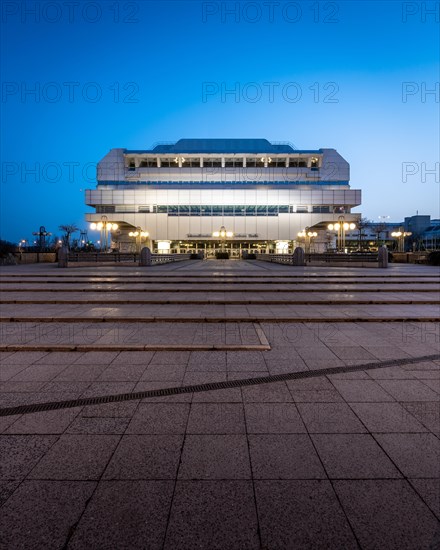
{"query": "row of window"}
(229, 162)
(218, 210)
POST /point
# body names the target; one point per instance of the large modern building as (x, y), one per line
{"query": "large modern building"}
(262, 194)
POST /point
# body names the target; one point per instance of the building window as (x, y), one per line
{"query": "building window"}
(252, 162)
(321, 209)
(233, 162)
(195, 210)
(302, 209)
(239, 210)
(104, 209)
(169, 162)
(191, 163)
(212, 162)
(278, 163)
(297, 163)
(148, 163)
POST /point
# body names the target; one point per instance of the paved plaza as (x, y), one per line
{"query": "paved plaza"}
(219, 405)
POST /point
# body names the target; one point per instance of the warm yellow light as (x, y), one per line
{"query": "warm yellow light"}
(131, 234)
(114, 226)
(337, 226)
(222, 233)
(144, 234)
(99, 226)
(352, 226)
(135, 233)
(302, 234)
(346, 226)
(93, 226)
(216, 234)
(330, 226)
(229, 233)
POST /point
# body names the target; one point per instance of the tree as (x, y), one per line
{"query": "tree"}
(68, 230)
(363, 223)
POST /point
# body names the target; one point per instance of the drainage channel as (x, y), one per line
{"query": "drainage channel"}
(210, 386)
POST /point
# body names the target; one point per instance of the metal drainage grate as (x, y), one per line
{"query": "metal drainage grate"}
(81, 402)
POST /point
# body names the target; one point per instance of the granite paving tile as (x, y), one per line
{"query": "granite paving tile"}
(330, 418)
(215, 457)
(301, 514)
(409, 390)
(123, 373)
(98, 425)
(40, 514)
(429, 490)
(40, 372)
(387, 417)
(286, 456)
(416, 455)
(20, 453)
(276, 392)
(124, 409)
(6, 489)
(213, 514)
(313, 390)
(145, 457)
(159, 418)
(387, 514)
(46, 422)
(96, 358)
(227, 395)
(76, 457)
(273, 418)
(353, 456)
(165, 372)
(80, 373)
(141, 358)
(170, 358)
(138, 521)
(216, 418)
(428, 413)
(361, 391)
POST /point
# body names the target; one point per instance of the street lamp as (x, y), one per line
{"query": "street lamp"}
(139, 235)
(307, 236)
(42, 234)
(400, 236)
(223, 234)
(341, 227)
(104, 227)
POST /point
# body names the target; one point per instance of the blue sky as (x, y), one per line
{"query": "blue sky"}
(348, 75)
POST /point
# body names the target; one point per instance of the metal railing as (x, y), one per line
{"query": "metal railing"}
(120, 257)
(329, 258)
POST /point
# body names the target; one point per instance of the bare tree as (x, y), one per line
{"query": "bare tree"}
(362, 224)
(68, 230)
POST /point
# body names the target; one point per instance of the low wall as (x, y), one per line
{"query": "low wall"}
(35, 257)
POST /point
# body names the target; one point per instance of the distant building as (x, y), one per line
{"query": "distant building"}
(424, 234)
(262, 193)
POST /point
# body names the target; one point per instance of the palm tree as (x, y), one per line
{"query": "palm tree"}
(68, 230)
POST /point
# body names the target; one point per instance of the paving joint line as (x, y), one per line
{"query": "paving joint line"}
(210, 386)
